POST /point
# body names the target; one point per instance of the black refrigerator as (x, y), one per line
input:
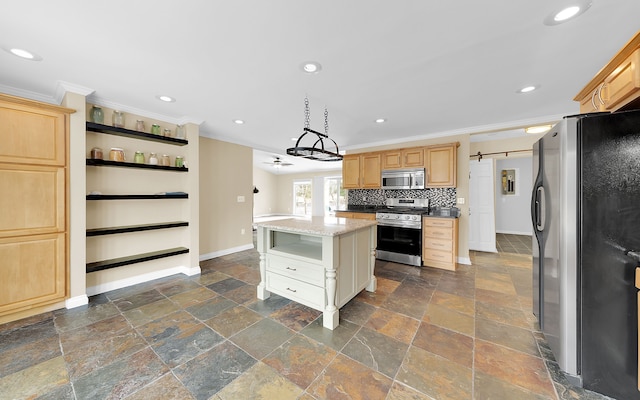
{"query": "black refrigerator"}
(585, 210)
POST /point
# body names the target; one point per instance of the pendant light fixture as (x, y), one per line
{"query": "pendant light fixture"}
(318, 151)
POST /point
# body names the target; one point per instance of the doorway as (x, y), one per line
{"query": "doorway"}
(482, 228)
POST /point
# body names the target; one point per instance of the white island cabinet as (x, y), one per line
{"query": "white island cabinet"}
(319, 262)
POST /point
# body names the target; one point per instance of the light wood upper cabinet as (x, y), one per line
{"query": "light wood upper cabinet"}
(403, 158)
(33, 208)
(441, 165)
(617, 85)
(361, 171)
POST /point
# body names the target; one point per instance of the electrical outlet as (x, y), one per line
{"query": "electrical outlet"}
(240, 199)
(460, 200)
(242, 231)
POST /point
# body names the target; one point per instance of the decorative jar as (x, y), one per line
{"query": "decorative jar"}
(118, 119)
(155, 129)
(140, 125)
(97, 115)
(138, 158)
(181, 132)
(153, 159)
(179, 161)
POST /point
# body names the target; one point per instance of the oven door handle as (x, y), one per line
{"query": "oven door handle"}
(400, 225)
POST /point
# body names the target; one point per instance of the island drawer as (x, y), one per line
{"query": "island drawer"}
(296, 269)
(438, 244)
(302, 292)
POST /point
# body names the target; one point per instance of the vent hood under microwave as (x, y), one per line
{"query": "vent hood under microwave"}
(403, 178)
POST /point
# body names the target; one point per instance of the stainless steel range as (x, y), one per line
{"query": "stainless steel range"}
(400, 231)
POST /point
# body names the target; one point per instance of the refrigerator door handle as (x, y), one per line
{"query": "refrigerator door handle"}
(537, 209)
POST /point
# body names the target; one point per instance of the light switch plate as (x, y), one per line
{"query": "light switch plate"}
(460, 200)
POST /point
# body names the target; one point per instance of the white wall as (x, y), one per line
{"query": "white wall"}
(513, 211)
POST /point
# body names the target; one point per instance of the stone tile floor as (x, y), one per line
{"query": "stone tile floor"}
(518, 244)
(424, 334)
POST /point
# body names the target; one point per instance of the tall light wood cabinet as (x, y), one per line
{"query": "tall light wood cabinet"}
(33, 207)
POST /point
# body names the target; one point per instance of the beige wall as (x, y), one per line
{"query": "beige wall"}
(505, 145)
(226, 172)
(265, 202)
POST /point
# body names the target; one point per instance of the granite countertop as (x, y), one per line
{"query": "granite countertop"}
(323, 226)
(439, 216)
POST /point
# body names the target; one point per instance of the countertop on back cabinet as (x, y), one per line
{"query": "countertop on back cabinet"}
(362, 209)
(439, 216)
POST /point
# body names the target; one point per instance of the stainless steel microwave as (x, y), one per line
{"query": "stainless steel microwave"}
(403, 178)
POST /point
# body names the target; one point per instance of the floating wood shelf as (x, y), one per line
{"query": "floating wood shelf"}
(136, 196)
(112, 130)
(137, 258)
(123, 164)
(134, 228)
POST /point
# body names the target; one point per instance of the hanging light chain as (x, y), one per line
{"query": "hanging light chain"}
(306, 113)
(326, 121)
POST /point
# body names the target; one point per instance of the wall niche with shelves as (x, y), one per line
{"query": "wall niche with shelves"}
(139, 216)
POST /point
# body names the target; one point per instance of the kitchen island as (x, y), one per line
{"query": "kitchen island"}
(319, 262)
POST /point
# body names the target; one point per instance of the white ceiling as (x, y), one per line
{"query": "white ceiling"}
(428, 67)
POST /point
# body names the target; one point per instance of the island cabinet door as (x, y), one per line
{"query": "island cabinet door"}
(354, 272)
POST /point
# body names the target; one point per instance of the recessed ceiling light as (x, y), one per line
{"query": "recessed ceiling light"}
(22, 53)
(567, 12)
(381, 120)
(167, 99)
(238, 121)
(528, 89)
(311, 67)
(537, 129)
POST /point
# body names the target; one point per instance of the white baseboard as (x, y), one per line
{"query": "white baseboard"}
(464, 260)
(528, 233)
(134, 280)
(225, 252)
(76, 301)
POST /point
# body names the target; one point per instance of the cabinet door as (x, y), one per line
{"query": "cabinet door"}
(413, 158)
(343, 214)
(593, 102)
(623, 82)
(392, 159)
(371, 171)
(30, 135)
(33, 200)
(351, 171)
(34, 271)
(441, 166)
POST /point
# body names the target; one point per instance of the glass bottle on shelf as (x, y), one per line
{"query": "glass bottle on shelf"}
(179, 161)
(138, 158)
(180, 132)
(153, 159)
(140, 125)
(166, 133)
(97, 115)
(118, 119)
(155, 129)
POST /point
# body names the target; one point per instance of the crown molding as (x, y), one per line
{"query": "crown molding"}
(63, 87)
(27, 94)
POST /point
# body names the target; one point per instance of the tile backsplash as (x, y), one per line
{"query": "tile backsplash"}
(438, 197)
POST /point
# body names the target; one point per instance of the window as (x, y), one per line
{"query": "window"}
(335, 197)
(302, 197)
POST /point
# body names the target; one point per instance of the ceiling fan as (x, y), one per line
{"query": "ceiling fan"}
(278, 163)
